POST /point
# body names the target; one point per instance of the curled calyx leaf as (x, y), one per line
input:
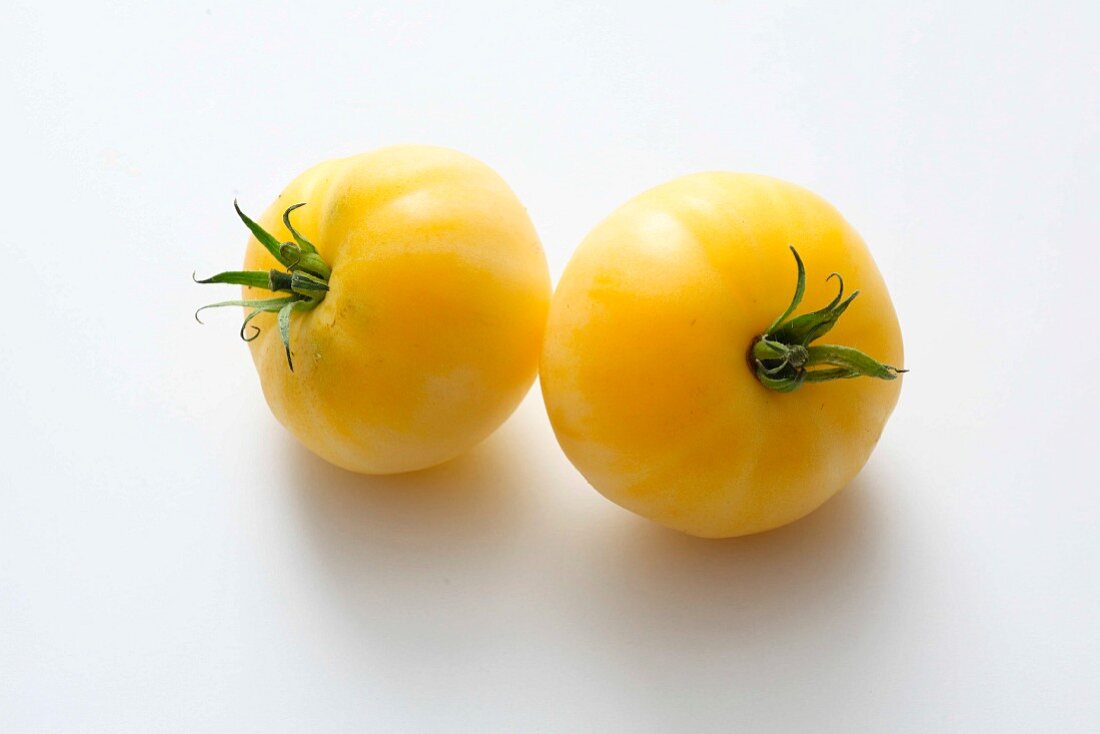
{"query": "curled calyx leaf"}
(784, 358)
(304, 280)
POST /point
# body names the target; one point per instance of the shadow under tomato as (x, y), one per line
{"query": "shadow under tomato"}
(468, 501)
(671, 612)
(405, 563)
(487, 563)
(794, 559)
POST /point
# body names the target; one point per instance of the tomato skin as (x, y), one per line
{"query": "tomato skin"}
(645, 369)
(430, 333)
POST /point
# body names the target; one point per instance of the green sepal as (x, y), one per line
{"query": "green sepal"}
(260, 304)
(799, 291)
(305, 280)
(837, 373)
(250, 278)
(284, 325)
(779, 384)
(305, 245)
(255, 329)
(850, 359)
(308, 285)
(262, 236)
(809, 326)
(312, 263)
(784, 358)
(284, 331)
(766, 349)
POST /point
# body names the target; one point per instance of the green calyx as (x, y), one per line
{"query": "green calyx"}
(305, 280)
(783, 357)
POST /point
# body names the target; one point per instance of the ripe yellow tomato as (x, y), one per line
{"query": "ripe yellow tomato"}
(425, 334)
(658, 385)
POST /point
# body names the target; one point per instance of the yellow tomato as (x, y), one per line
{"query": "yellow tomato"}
(428, 334)
(650, 362)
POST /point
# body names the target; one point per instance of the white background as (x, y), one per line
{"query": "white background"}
(170, 560)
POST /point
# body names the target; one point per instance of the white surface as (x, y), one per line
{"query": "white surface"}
(170, 560)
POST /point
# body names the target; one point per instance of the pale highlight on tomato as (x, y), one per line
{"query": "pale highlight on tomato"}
(645, 367)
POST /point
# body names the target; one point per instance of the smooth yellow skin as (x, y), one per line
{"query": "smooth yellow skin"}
(645, 367)
(430, 334)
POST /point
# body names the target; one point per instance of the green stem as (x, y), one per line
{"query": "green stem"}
(305, 279)
(783, 357)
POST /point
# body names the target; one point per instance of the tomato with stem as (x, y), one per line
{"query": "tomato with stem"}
(395, 303)
(679, 374)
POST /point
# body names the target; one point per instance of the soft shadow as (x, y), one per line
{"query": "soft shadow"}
(455, 507)
(477, 561)
(392, 551)
(662, 598)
